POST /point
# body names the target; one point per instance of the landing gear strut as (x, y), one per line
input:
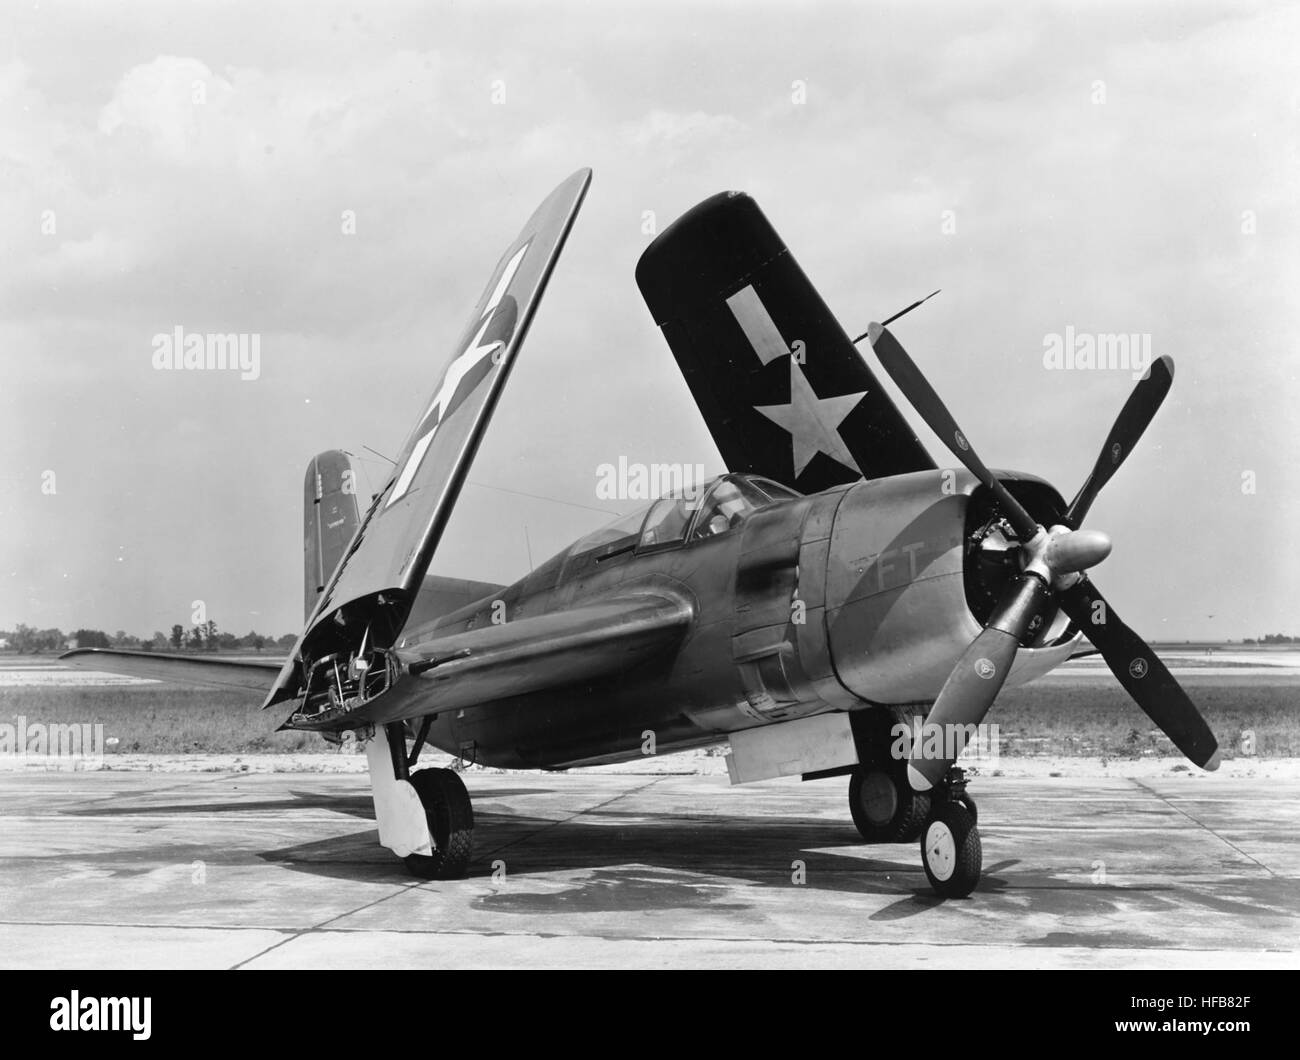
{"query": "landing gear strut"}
(951, 851)
(424, 817)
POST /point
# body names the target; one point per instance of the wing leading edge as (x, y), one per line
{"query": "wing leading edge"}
(480, 666)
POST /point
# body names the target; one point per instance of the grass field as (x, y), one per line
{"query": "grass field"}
(1056, 716)
(1096, 717)
(161, 719)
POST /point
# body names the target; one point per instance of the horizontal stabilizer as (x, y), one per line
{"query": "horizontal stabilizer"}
(251, 675)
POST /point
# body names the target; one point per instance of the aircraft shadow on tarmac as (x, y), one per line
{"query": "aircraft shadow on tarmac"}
(639, 862)
(636, 861)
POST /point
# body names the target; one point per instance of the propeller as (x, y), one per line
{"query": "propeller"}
(903, 370)
(1052, 574)
(1138, 411)
(1141, 672)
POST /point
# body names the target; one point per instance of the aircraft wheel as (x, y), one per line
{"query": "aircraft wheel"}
(951, 851)
(885, 809)
(451, 825)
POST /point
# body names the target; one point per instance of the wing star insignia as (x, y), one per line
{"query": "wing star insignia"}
(813, 421)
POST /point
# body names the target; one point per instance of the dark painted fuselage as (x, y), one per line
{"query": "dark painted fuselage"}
(856, 596)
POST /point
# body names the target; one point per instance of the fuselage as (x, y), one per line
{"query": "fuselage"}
(858, 596)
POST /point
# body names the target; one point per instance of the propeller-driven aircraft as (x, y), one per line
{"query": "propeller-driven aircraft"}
(833, 584)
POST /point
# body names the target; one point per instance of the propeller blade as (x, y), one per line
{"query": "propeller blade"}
(1133, 419)
(976, 681)
(917, 389)
(1141, 672)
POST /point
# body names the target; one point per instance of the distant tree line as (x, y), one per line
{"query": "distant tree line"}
(1272, 638)
(27, 640)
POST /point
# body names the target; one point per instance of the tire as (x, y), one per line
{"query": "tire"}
(885, 809)
(951, 851)
(450, 815)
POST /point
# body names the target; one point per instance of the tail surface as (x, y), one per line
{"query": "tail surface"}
(330, 519)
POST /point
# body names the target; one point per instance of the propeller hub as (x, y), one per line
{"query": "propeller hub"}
(1058, 554)
(1072, 551)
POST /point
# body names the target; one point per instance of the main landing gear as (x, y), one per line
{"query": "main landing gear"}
(424, 817)
(450, 819)
(885, 809)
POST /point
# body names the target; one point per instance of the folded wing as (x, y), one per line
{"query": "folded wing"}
(780, 385)
(375, 584)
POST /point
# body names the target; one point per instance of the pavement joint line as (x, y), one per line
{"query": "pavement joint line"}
(117, 795)
(323, 925)
(754, 940)
(955, 944)
(140, 927)
(1201, 824)
(298, 932)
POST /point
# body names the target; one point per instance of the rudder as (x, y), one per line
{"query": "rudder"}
(330, 519)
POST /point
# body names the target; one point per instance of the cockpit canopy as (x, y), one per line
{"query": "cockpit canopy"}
(688, 514)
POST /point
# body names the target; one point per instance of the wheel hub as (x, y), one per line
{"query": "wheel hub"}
(940, 850)
(879, 798)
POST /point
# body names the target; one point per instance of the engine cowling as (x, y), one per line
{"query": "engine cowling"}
(915, 565)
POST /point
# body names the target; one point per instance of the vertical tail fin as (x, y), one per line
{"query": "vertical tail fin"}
(330, 519)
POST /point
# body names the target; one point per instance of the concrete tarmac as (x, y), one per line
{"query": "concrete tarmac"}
(135, 869)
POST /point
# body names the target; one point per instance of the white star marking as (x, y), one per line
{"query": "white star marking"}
(812, 421)
(454, 375)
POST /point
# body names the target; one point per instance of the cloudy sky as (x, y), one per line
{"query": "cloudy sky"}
(1110, 168)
